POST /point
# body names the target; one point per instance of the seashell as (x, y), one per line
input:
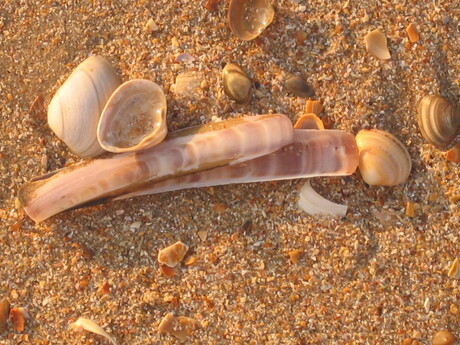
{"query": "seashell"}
(314, 204)
(91, 326)
(237, 84)
(248, 18)
(134, 117)
(443, 337)
(180, 327)
(192, 149)
(188, 84)
(453, 154)
(74, 111)
(438, 119)
(4, 314)
(383, 159)
(412, 33)
(298, 87)
(312, 106)
(376, 44)
(309, 121)
(171, 256)
(454, 271)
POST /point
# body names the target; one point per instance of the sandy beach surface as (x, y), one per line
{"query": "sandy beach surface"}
(376, 276)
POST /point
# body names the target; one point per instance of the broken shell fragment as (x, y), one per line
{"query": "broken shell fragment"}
(314, 204)
(180, 327)
(313, 106)
(188, 84)
(383, 159)
(91, 326)
(74, 111)
(412, 33)
(173, 254)
(248, 18)
(4, 314)
(309, 121)
(237, 84)
(134, 117)
(18, 318)
(453, 154)
(454, 271)
(298, 87)
(376, 44)
(438, 120)
(443, 337)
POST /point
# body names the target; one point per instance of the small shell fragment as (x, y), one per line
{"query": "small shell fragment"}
(237, 84)
(150, 26)
(180, 327)
(298, 87)
(18, 318)
(188, 84)
(376, 44)
(412, 32)
(383, 159)
(173, 254)
(453, 154)
(91, 326)
(314, 204)
(309, 121)
(4, 314)
(313, 106)
(443, 337)
(454, 271)
(410, 210)
(294, 256)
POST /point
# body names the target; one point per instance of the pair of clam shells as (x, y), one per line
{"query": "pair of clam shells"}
(93, 111)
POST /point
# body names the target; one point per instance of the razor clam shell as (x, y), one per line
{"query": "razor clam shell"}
(183, 151)
(438, 120)
(75, 109)
(313, 153)
(248, 18)
(134, 117)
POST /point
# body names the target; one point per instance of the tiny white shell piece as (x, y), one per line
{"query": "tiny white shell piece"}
(376, 44)
(74, 111)
(91, 326)
(134, 117)
(314, 204)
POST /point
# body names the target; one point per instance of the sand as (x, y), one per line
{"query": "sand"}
(375, 276)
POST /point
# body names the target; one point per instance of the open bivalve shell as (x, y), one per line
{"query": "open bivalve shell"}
(438, 119)
(248, 18)
(74, 111)
(134, 117)
(383, 159)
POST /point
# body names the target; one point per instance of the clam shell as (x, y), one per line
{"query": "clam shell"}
(298, 87)
(134, 117)
(237, 84)
(383, 159)
(248, 18)
(74, 111)
(309, 121)
(376, 44)
(438, 119)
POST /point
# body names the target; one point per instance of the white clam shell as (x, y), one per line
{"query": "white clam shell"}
(134, 117)
(74, 111)
(383, 159)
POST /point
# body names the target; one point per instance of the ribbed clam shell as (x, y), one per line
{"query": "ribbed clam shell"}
(383, 159)
(134, 117)
(438, 119)
(237, 84)
(248, 18)
(74, 111)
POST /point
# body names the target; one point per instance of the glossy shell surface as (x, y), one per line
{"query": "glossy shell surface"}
(134, 117)
(383, 159)
(248, 18)
(438, 120)
(75, 110)
(298, 87)
(237, 84)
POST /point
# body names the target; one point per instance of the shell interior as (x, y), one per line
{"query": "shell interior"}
(248, 18)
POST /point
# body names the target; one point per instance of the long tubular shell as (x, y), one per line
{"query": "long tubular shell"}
(184, 151)
(313, 153)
